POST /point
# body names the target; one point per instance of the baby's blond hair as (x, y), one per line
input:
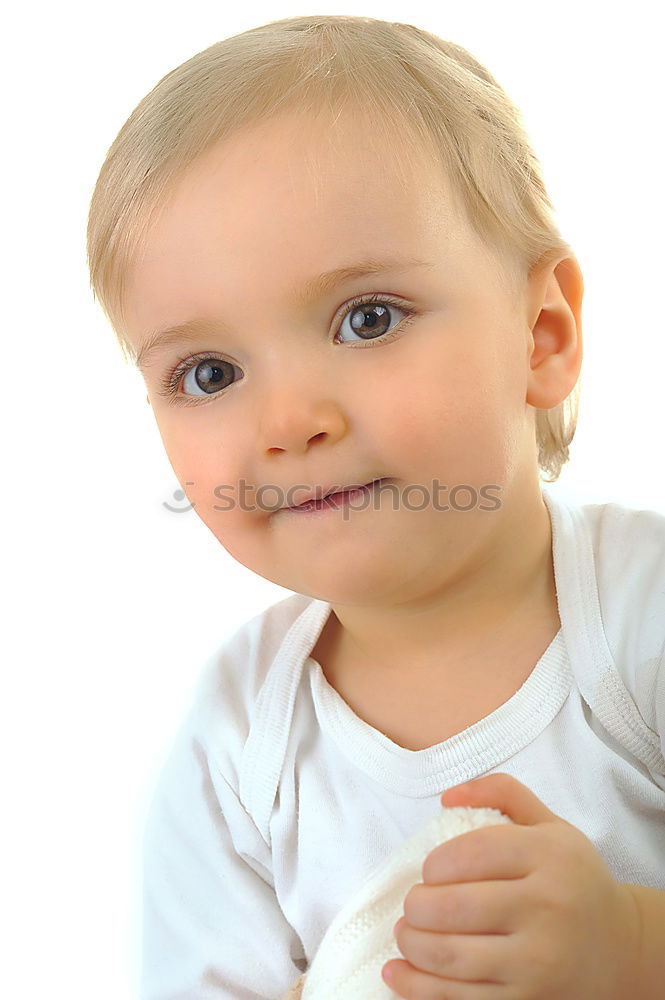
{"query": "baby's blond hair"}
(405, 80)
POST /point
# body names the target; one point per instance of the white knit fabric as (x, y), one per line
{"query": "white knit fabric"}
(360, 940)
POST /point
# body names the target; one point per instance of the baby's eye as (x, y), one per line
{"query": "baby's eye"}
(207, 376)
(369, 319)
(204, 375)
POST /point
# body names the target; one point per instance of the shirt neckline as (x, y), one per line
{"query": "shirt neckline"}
(483, 745)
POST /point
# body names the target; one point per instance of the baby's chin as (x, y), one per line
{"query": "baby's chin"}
(356, 590)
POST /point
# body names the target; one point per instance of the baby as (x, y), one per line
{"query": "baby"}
(327, 245)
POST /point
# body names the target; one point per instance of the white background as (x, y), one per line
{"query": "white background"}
(112, 603)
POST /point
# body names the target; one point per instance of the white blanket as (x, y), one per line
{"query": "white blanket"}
(360, 940)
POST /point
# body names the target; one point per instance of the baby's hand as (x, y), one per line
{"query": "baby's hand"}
(520, 911)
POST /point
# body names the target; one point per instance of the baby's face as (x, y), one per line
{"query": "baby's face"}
(425, 385)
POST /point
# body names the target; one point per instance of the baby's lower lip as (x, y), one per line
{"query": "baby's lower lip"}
(333, 500)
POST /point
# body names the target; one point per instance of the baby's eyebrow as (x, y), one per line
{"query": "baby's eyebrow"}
(312, 289)
(323, 283)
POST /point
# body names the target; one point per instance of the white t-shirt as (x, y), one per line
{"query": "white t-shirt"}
(277, 800)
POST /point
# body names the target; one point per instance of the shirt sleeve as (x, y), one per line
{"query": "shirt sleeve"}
(212, 925)
(660, 710)
(629, 552)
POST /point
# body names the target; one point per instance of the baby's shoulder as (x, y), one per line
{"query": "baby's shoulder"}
(235, 671)
(629, 547)
(629, 559)
(232, 676)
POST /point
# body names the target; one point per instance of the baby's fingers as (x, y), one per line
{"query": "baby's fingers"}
(477, 958)
(412, 984)
(470, 908)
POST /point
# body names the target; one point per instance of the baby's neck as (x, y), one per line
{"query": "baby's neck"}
(516, 597)
(421, 703)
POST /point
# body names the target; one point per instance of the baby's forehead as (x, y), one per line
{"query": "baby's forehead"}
(283, 181)
(323, 153)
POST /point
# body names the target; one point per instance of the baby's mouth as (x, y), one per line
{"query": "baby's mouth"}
(335, 498)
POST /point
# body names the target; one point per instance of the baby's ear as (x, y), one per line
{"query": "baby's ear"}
(147, 399)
